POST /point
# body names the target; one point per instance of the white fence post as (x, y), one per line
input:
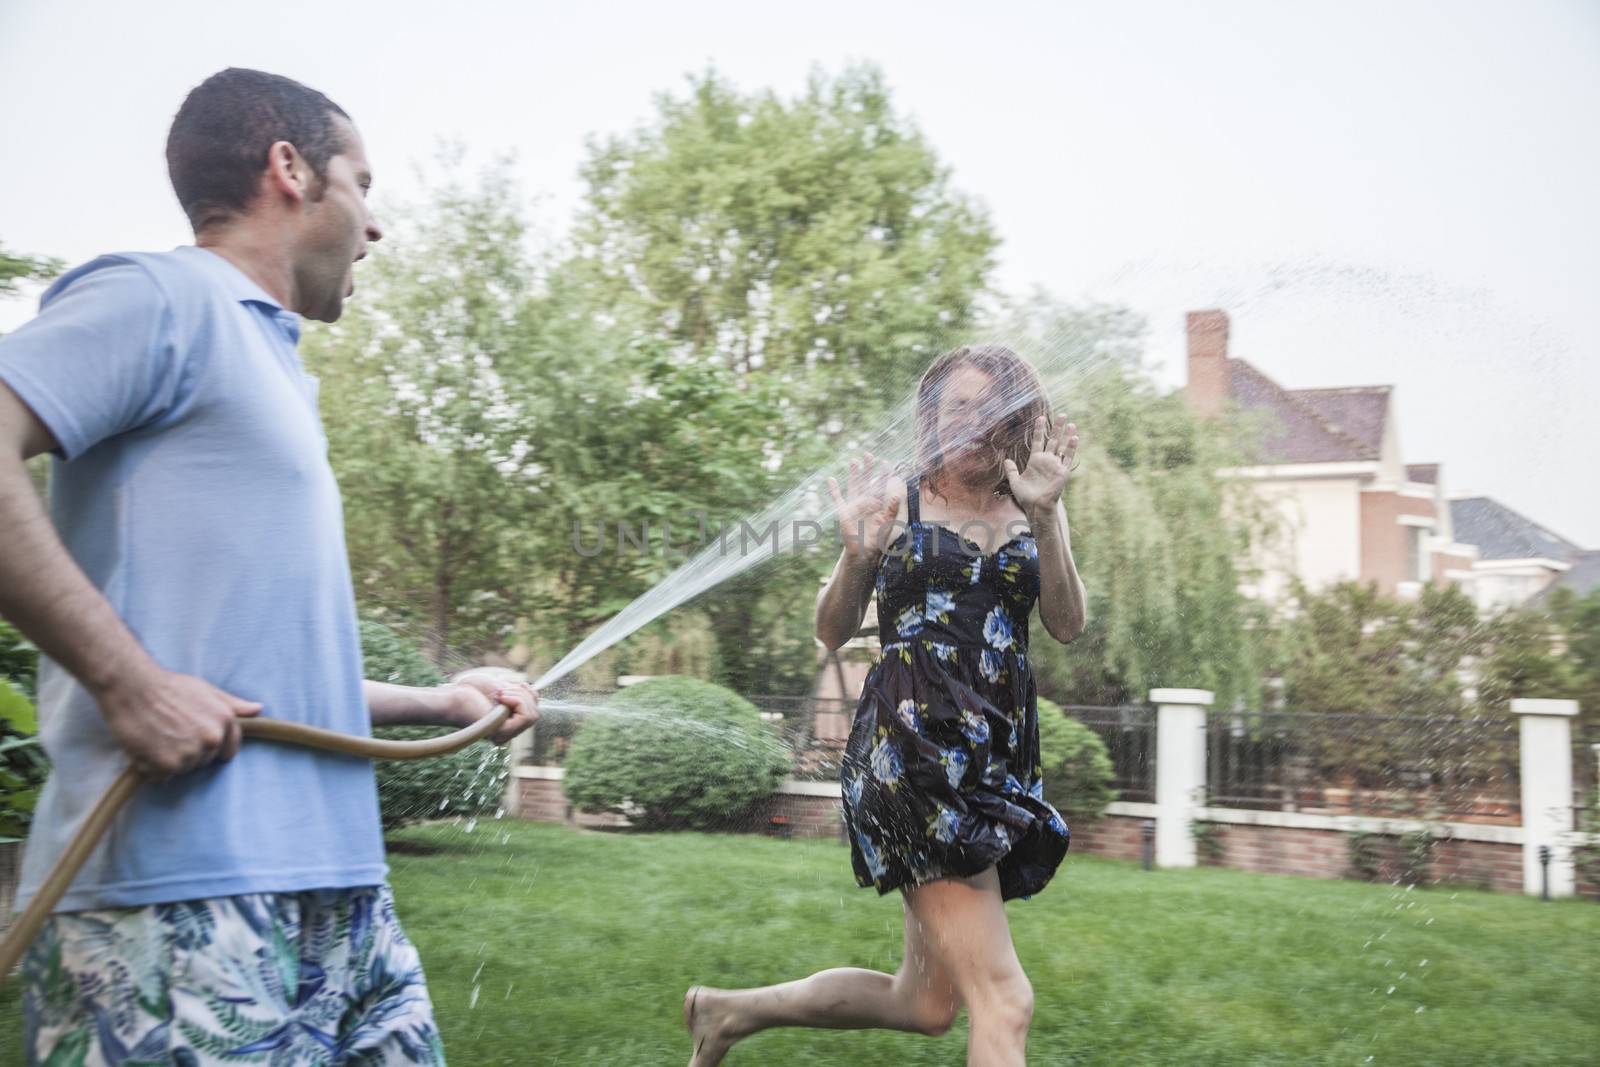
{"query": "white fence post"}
(1180, 771)
(516, 755)
(1545, 740)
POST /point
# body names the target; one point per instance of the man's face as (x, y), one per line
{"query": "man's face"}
(336, 229)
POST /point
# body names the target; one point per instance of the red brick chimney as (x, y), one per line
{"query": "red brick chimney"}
(1206, 393)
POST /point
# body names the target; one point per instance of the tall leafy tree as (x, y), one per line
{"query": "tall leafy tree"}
(816, 238)
(428, 402)
(802, 260)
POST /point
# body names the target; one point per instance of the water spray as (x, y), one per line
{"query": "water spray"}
(710, 567)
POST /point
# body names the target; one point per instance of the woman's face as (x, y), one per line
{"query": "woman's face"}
(967, 411)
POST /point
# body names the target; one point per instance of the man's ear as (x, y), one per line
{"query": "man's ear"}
(288, 173)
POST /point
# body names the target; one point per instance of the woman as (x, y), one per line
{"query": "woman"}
(941, 778)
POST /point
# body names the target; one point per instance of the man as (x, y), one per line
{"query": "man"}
(195, 572)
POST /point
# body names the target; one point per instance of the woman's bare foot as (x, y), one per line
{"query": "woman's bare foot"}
(706, 1013)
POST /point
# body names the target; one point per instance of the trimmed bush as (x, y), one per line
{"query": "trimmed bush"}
(23, 764)
(468, 782)
(675, 754)
(1077, 768)
(19, 660)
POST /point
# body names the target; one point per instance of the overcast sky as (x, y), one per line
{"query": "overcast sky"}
(1400, 193)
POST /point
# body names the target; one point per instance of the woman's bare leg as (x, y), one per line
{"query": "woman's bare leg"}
(919, 997)
(968, 936)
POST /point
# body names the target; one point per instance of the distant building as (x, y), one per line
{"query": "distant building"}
(1349, 508)
(1519, 560)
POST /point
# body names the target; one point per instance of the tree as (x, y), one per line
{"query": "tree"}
(793, 264)
(1524, 658)
(1351, 650)
(428, 401)
(816, 239)
(488, 419)
(1156, 531)
(1392, 672)
(641, 438)
(15, 266)
(1579, 620)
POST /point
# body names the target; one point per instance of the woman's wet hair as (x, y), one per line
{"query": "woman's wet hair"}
(1016, 397)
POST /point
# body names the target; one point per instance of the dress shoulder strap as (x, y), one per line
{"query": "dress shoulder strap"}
(913, 512)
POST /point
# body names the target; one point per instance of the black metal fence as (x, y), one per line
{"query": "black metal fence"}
(1396, 765)
(1586, 773)
(1129, 733)
(1435, 767)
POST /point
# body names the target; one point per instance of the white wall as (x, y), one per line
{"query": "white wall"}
(1498, 585)
(1319, 537)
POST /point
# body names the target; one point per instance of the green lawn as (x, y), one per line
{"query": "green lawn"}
(550, 946)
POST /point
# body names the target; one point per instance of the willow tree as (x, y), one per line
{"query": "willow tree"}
(1157, 532)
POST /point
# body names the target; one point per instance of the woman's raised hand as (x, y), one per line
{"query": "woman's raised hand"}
(867, 516)
(1050, 452)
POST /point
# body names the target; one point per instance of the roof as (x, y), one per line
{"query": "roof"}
(1583, 578)
(1501, 533)
(1312, 425)
(1358, 412)
(1423, 473)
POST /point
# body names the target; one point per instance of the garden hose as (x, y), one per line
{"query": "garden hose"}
(94, 827)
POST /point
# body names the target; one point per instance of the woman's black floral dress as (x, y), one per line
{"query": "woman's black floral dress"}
(941, 774)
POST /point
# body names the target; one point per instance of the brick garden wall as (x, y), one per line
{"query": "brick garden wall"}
(1313, 853)
(1114, 836)
(543, 801)
(807, 816)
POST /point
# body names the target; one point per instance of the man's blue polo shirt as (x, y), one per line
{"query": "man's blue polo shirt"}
(192, 486)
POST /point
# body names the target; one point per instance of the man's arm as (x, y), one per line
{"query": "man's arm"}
(169, 723)
(457, 704)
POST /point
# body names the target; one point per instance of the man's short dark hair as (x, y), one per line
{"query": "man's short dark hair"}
(218, 144)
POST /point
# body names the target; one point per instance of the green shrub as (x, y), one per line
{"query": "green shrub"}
(1416, 859)
(1365, 860)
(675, 753)
(23, 766)
(19, 660)
(468, 782)
(1208, 841)
(1586, 853)
(554, 733)
(1077, 769)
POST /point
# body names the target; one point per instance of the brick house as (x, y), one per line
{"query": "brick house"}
(1349, 507)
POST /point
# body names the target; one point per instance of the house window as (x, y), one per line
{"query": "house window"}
(1416, 557)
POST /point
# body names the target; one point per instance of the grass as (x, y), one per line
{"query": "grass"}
(550, 946)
